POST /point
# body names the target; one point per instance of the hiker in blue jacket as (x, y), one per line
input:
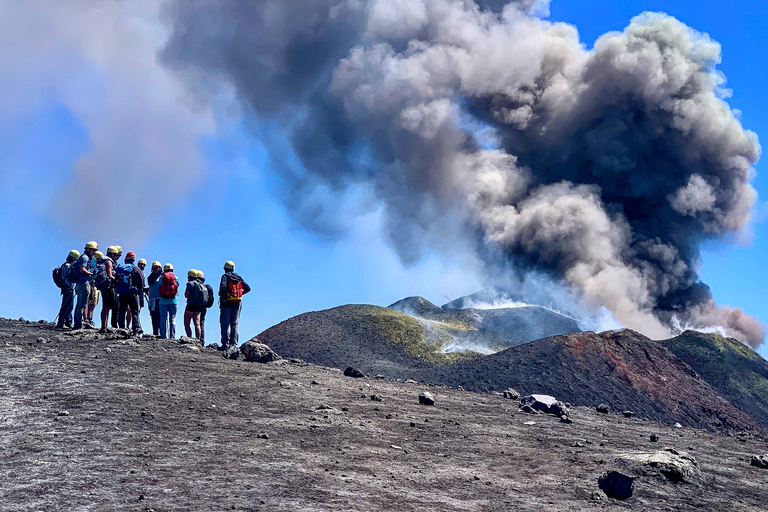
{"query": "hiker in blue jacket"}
(85, 265)
(67, 291)
(129, 283)
(232, 287)
(209, 304)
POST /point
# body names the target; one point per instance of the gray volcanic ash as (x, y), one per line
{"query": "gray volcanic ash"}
(606, 168)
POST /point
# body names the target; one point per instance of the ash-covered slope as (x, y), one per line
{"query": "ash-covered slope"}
(623, 369)
(371, 338)
(490, 330)
(736, 371)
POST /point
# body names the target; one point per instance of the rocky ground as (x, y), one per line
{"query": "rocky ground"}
(114, 423)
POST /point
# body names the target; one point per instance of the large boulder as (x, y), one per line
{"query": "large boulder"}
(544, 403)
(760, 461)
(675, 465)
(256, 352)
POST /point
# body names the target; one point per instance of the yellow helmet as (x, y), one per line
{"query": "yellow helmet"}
(74, 254)
(192, 273)
(230, 265)
(91, 245)
(119, 249)
(112, 249)
(98, 255)
(156, 264)
(168, 268)
(142, 261)
(200, 274)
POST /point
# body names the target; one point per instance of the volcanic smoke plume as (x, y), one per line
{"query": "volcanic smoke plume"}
(607, 168)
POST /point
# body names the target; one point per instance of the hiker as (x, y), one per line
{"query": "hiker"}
(104, 280)
(153, 280)
(231, 290)
(197, 297)
(84, 275)
(142, 264)
(209, 304)
(93, 298)
(129, 283)
(61, 278)
(169, 289)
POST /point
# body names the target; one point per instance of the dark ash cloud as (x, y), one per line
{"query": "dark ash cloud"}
(607, 168)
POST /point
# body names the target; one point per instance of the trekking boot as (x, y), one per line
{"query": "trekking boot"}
(103, 330)
(89, 326)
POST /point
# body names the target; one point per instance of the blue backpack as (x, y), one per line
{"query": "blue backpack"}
(123, 279)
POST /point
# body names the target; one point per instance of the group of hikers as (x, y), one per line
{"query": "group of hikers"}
(85, 278)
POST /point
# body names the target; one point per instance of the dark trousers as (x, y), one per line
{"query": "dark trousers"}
(67, 306)
(129, 300)
(229, 319)
(154, 314)
(202, 325)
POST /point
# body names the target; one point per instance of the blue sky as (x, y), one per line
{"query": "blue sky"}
(234, 210)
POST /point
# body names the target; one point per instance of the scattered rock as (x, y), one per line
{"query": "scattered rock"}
(674, 465)
(760, 461)
(654, 438)
(544, 403)
(627, 414)
(256, 352)
(189, 341)
(63, 413)
(353, 372)
(616, 485)
(677, 425)
(529, 423)
(511, 394)
(529, 409)
(263, 436)
(231, 353)
(426, 398)
(602, 408)
(566, 419)
(375, 398)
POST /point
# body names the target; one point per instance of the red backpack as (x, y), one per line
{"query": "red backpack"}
(168, 286)
(234, 290)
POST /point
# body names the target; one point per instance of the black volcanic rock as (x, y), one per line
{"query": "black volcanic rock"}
(736, 371)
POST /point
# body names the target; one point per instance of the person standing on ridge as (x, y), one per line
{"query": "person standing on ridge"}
(109, 297)
(169, 302)
(83, 287)
(61, 278)
(154, 280)
(196, 295)
(129, 283)
(142, 264)
(232, 287)
(209, 304)
(93, 298)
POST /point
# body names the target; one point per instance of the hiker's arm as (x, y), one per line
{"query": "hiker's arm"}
(246, 288)
(110, 273)
(223, 286)
(84, 270)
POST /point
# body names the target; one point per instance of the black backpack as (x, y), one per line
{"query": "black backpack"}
(59, 278)
(211, 296)
(73, 274)
(198, 296)
(101, 280)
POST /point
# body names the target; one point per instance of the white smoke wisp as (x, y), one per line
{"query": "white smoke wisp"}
(99, 61)
(606, 168)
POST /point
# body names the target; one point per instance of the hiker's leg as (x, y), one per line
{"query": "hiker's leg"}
(196, 322)
(172, 309)
(187, 319)
(234, 337)
(155, 314)
(66, 303)
(70, 307)
(202, 325)
(163, 321)
(122, 311)
(135, 319)
(83, 291)
(224, 321)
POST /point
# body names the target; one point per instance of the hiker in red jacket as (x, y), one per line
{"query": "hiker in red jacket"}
(231, 290)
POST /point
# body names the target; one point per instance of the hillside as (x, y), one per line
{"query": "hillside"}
(622, 369)
(489, 330)
(93, 422)
(736, 371)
